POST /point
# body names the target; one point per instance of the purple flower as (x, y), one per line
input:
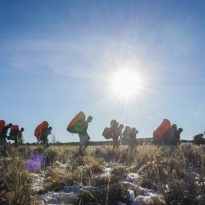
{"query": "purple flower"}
(35, 162)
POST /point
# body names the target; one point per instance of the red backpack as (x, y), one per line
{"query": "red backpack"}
(14, 127)
(39, 128)
(2, 124)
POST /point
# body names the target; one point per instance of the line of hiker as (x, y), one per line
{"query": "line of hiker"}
(15, 134)
(114, 132)
(165, 134)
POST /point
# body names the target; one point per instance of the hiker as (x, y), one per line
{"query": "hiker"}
(5, 130)
(40, 129)
(3, 134)
(19, 139)
(177, 136)
(15, 133)
(83, 135)
(116, 133)
(158, 134)
(132, 140)
(169, 136)
(44, 136)
(126, 134)
(173, 140)
(172, 135)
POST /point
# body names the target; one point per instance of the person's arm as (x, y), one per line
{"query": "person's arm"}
(84, 128)
(135, 140)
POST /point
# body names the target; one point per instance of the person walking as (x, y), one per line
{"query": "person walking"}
(3, 134)
(84, 136)
(44, 136)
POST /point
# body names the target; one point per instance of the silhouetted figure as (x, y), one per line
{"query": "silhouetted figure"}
(83, 135)
(5, 130)
(177, 136)
(3, 134)
(132, 140)
(44, 136)
(15, 134)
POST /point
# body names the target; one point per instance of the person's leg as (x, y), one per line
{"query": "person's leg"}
(39, 139)
(81, 144)
(16, 141)
(43, 139)
(115, 142)
(85, 146)
(86, 142)
(80, 151)
(46, 142)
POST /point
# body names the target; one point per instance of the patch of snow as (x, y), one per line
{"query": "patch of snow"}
(60, 165)
(145, 196)
(38, 181)
(133, 177)
(106, 170)
(137, 195)
(55, 198)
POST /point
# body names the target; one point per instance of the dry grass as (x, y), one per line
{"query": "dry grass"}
(178, 173)
(14, 183)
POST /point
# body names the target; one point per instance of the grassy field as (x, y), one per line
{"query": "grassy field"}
(175, 174)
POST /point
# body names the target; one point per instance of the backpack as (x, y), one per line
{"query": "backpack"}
(161, 129)
(2, 124)
(14, 127)
(126, 132)
(40, 127)
(118, 130)
(107, 133)
(77, 127)
(14, 130)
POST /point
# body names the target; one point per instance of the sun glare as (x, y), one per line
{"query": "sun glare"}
(125, 84)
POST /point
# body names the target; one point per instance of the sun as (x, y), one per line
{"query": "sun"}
(125, 84)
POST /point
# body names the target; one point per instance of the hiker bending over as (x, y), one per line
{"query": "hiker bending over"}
(15, 134)
(83, 135)
(3, 134)
(5, 130)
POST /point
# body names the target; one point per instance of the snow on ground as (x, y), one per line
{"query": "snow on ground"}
(69, 193)
(61, 197)
(38, 181)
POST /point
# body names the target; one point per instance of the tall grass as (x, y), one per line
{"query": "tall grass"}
(176, 172)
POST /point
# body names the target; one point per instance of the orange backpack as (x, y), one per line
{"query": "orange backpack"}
(75, 125)
(163, 127)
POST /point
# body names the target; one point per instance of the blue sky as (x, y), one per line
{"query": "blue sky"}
(59, 57)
